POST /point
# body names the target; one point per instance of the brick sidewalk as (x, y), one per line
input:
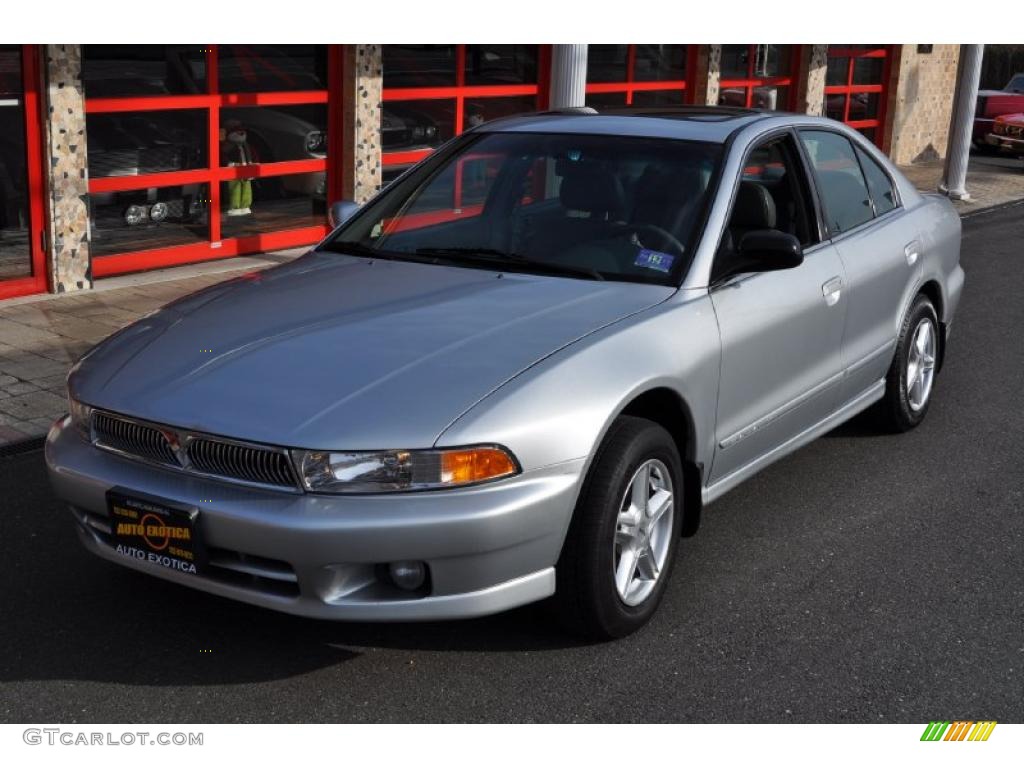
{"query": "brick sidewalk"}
(991, 180)
(41, 337)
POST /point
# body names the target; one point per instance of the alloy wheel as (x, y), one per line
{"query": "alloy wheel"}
(921, 365)
(642, 532)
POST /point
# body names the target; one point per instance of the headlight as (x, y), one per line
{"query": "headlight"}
(384, 471)
(316, 141)
(81, 417)
(135, 214)
(159, 212)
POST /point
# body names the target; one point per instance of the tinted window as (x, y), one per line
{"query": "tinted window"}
(772, 195)
(879, 184)
(253, 68)
(840, 181)
(628, 208)
(660, 62)
(143, 70)
(137, 143)
(418, 66)
(607, 63)
(501, 64)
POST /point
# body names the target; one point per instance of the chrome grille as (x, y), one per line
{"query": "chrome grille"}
(197, 453)
(132, 438)
(244, 462)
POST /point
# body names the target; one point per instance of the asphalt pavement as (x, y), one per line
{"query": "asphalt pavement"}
(866, 578)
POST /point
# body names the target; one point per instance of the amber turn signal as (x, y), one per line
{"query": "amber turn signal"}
(473, 465)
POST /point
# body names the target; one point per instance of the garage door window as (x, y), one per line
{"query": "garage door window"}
(758, 75)
(637, 75)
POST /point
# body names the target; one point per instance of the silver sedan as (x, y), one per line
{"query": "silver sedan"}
(520, 372)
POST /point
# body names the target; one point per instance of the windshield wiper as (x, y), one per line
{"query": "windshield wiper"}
(518, 262)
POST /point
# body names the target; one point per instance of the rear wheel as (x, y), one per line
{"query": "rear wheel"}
(911, 377)
(622, 541)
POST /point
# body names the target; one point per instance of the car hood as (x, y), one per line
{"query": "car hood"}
(337, 352)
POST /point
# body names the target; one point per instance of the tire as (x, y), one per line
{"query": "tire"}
(588, 600)
(908, 395)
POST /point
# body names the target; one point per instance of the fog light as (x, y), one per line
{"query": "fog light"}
(159, 211)
(408, 574)
(134, 215)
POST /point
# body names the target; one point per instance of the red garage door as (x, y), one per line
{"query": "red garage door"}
(22, 255)
(434, 92)
(638, 75)
(855, 87)
(204, 151)
(758, 75)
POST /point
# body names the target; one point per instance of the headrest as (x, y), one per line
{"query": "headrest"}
(754, 208)
(592, 189)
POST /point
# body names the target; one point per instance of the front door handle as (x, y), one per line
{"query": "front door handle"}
(831, 289)
(912, 251)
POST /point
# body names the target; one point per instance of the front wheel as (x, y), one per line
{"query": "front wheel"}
(911, 377)
(622, 541)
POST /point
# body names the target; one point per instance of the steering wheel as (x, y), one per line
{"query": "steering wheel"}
(664, 240)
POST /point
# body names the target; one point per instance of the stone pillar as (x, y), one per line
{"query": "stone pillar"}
(568, 76)
(954, 178)
(67, 233)
(810, 93)
(708, 74)
(362, 73)
(920, 102)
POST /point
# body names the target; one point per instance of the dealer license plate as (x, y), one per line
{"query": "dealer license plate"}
(156, 531)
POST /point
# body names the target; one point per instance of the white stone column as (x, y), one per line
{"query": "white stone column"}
(954, 177)
(568, 76)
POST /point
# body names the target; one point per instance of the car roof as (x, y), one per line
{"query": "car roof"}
(713, 124)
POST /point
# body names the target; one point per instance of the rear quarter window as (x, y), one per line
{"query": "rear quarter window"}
(883, 195)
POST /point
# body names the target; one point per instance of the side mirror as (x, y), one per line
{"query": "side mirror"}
(766, 250)
(341, 212)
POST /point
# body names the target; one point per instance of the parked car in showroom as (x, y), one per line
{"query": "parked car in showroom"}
(1008, 134)
(451, 407)
(136, 144)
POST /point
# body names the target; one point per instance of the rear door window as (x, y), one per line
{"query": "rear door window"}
(841, 183)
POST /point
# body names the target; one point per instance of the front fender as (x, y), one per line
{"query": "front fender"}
(560, 409)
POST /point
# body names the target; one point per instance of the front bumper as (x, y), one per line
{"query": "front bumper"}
(1010, 144)
(487, 548)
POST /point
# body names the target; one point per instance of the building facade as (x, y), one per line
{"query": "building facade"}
(123, 158)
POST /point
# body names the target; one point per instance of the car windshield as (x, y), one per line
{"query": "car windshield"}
(588, 206)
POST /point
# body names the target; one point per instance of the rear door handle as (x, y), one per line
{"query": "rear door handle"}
(831, 289)
(912, 251)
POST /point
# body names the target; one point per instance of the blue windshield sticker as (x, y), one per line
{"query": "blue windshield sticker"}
(654, 260)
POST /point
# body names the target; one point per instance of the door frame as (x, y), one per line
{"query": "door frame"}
(32, 110)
